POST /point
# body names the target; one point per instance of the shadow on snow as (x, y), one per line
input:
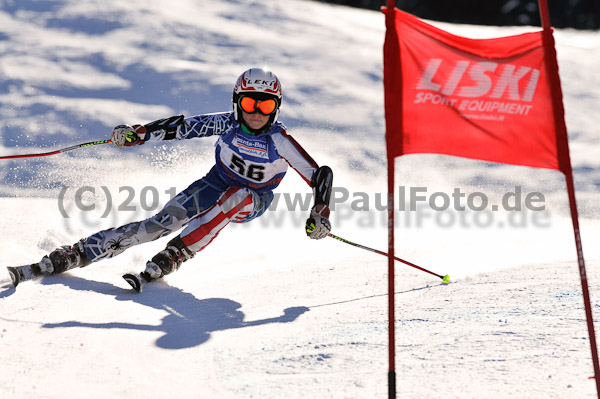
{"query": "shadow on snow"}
(189, 321)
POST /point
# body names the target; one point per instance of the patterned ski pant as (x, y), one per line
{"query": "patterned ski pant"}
(204, 209)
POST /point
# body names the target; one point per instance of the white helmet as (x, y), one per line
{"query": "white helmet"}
(261, 84)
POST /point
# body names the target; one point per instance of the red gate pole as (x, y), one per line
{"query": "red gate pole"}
(564, 160)
(390, 51)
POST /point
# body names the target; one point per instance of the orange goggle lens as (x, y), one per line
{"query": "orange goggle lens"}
(265, 107)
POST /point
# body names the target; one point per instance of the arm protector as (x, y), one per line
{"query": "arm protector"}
(168, 125)
(322, 184)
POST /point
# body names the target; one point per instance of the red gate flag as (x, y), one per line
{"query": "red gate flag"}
(495, 100)
(486, 99)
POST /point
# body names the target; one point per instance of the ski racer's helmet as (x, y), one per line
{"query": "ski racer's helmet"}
(259, 84)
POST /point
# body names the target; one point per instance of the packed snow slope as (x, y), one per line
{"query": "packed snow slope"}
(264, 312)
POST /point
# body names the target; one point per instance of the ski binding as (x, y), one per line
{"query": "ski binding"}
(138, 281)
(24, 273)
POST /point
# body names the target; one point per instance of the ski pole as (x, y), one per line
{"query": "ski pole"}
(445, 279)
(45, 154)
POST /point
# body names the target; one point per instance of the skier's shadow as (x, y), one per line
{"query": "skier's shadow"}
(189, 321)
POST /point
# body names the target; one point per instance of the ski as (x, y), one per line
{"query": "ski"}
(24, 273)
(138, 281)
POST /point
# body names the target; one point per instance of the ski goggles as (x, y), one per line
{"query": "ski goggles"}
(251, 105)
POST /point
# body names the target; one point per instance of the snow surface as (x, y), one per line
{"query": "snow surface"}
(264, 312)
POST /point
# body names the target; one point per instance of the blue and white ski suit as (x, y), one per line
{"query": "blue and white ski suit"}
(237, 189)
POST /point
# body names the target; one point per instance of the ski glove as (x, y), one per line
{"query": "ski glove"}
(317, 225)
(127, 136)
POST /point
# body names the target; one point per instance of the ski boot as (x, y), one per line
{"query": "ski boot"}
(165, 262)
(58, 261)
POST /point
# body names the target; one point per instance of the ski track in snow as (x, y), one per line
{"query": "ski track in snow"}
(263, 312)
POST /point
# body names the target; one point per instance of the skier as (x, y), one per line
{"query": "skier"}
(252, 154)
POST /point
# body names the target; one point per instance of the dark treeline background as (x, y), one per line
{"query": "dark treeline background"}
(579, 14)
